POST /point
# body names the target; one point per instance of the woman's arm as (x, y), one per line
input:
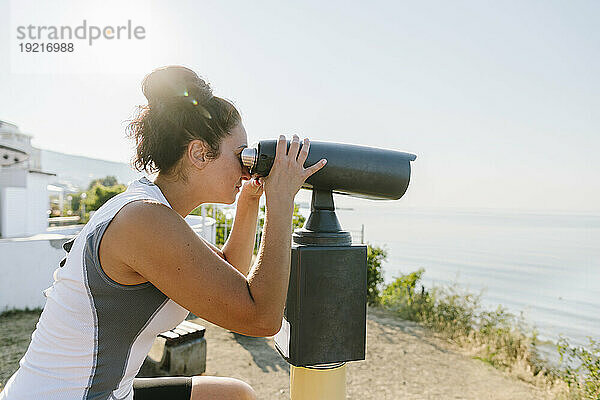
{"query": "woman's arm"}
(175, 260)
(213, 248)
(240, 244)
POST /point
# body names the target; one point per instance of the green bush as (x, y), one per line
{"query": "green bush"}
(581, 367)
(402, 297)
(452, 311)
(375, 257)
(500, 337)
(496, 337)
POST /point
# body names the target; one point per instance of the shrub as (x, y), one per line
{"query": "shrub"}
(375, 257)
(496, 337)
(581, 367)
(401, 297)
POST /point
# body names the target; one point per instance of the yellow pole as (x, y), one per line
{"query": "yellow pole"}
(317, 383)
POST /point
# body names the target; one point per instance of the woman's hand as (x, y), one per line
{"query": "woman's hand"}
(288, 173)
(252, 189)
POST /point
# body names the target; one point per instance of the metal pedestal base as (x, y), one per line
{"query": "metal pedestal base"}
(318, 383)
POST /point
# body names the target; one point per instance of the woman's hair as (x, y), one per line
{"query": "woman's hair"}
(180, 108)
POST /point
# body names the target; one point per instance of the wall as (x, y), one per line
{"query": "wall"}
(13, 206)
(23, 203)
(37, 202)
(26, 267)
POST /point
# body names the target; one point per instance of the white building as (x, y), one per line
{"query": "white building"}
(23, 185)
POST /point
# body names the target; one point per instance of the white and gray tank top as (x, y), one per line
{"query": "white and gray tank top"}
(94, 333)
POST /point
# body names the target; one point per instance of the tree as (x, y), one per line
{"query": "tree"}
(75, 202)
(96, 195)
(107, 181)
(100, 194)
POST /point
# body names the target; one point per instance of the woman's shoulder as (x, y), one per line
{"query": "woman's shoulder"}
(126, 237)
(138, 221)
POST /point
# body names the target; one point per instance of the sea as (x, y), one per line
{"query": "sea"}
(544, 266)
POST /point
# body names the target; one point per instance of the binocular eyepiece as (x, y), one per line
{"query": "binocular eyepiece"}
(359, 171)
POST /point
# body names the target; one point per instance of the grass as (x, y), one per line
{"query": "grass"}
(495, 337)
(16, 327)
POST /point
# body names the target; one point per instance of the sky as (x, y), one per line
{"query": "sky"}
(498, 100)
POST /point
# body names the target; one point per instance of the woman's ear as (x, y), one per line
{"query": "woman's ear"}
(196, 153)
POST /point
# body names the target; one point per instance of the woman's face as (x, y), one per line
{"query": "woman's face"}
(226, 171)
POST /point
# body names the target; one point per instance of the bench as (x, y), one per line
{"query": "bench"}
(180, 351)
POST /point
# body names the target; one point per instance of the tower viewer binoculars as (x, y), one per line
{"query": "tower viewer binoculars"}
(324, 323)
(359, 171)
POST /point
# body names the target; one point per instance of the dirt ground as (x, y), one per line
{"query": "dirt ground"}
(403, 361)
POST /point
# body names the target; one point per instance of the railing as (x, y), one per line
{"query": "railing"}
(358, 235)
(62, 221)
(223, 230)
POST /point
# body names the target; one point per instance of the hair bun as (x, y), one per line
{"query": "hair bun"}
(173, 81)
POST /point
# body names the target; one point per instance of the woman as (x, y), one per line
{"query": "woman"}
(136, 268)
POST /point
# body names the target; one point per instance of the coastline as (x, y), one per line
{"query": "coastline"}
(543, 264)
